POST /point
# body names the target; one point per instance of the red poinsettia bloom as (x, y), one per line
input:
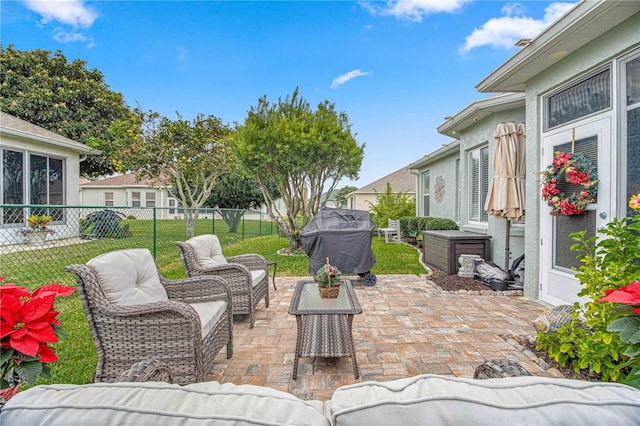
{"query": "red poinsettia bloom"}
(26, 320)
(549, 190)
(629, 295)
(577, 177)
(568, 208)
(560, 159)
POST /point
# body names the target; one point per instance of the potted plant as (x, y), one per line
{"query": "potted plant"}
(28, 324)
(37, 230)
(329, 281)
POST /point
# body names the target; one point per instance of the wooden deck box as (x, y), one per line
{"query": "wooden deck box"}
(443, 248)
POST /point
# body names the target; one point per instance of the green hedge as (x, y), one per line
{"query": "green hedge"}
(413, 226)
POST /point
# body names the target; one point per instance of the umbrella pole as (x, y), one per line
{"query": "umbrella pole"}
(506, 246)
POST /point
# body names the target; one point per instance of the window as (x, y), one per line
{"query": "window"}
(631, 127)
(426, 193)
(108, 199)
(457, 188)
(478, 184)
(135, 199)
(44, 184)
(582, 98)
(150, 199)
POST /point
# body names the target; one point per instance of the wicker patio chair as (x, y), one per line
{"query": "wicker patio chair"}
(135, 314)
(147, 371)
(246, 274)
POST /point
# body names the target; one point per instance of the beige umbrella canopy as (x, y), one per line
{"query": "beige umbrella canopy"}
(506, 196)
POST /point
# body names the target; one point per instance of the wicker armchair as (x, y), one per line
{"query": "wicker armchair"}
(135, 314)
(246, 275)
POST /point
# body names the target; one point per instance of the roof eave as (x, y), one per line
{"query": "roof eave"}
(445, 151)
(78, 147)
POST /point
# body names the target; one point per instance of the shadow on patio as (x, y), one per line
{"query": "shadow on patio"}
(408, 326)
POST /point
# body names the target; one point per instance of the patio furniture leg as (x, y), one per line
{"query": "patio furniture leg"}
(352, 349)
(297, 353)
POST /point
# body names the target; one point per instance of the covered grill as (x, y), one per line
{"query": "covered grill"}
(344, 236)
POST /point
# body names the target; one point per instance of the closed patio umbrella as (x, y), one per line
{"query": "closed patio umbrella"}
(506, 196)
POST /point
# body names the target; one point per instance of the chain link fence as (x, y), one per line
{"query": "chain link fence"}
(32, 256)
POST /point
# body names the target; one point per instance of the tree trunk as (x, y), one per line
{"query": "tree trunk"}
(190, 219)
(232, 217)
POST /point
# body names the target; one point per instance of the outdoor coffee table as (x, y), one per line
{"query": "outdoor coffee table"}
(324, 325)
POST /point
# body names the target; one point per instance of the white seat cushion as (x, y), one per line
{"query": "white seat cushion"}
(257, 276)
(129, 277)
(207, 250)
(209, 313)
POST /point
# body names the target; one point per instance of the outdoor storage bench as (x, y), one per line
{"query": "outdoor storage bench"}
(419, 400)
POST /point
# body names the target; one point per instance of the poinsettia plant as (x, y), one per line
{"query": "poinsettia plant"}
(28, 324)
(628, 325)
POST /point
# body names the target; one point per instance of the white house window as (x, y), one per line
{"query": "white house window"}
(426, 193)
(135, 198)
(584, 97)
(150, 199)
(631, 126)
(108, 199)
(29, 178)
(458, 191)
(478, 183)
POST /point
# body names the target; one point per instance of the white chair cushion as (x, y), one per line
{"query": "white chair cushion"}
(157, 403)
(257, 276)
(209, 313)
(442, 400)
(129, 277)
(207, 250)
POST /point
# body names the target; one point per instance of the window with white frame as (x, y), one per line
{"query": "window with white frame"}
(426, 193)
(30, 178)
(135, 199)
(150, 198)
(582, 98)
(478, 183)
(108, 199)
(457, 201)
(630, 88)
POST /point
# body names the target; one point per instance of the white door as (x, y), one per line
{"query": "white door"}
(558, 283)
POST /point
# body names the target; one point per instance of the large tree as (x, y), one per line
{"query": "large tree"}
(64, 97)
(341, 195)
(233, 194)
(303, 152)
(185, 156)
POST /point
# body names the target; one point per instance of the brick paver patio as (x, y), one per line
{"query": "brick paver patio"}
(408, 327)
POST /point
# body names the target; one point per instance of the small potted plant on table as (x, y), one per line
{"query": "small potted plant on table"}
(329, 281)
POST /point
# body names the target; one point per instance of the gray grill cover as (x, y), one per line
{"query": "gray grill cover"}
(342, 235)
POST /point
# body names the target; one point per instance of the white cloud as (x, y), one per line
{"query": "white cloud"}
(69, 12)
(183, 54)
(414, 10)
(505, 31)
(339, 81)
(62, 36)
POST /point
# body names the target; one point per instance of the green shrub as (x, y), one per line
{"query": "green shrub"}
(439, 224)
(390, 205)
(608, 262)
(409, 226)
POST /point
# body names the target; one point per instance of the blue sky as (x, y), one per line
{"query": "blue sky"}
(397, 68)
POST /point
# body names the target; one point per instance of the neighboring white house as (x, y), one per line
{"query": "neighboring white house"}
(137, 194)
(579, 81)
(38, 167)
(401, 181)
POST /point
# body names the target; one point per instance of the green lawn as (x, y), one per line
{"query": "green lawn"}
(77, 354)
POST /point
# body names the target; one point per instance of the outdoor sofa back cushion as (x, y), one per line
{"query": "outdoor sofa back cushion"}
(159, 403)
(129, 277)
(443, 400)
(207, 250)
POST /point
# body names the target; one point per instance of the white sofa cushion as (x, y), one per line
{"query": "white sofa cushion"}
(157, 403)
(129, 277)
(257, 276)
(207, 250)
(209, 313)
(443, 400)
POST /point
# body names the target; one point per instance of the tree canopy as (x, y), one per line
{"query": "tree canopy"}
(301, 151)
(64, 97)
(233, 194)
(340, 198)
(185, 156)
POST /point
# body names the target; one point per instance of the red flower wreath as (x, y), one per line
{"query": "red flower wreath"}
(575, 169)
